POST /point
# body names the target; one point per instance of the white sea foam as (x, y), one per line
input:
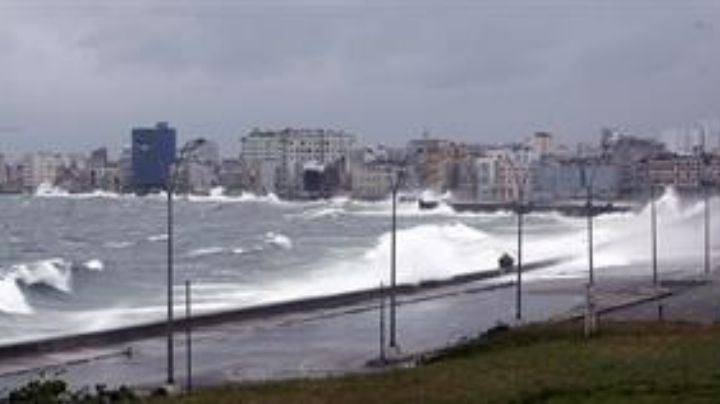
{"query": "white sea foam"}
(118, 244)
(198, 252)
(218, 194)
(157, 237)
(383, 208)
(325, 211)
(50, 191)
(94, 265)
(278, 240)
(336, 207)
(104, 194)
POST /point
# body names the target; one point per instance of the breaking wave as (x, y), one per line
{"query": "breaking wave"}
(218, 194)
(433, 249)
(54, 273)
(424, 252)
(50, 191)
(439, 251)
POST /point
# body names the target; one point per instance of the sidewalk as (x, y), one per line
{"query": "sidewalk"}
(694, 300)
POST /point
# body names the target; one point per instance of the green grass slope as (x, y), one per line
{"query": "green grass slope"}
(625, 362)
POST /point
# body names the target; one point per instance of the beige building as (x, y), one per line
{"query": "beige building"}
(683, 172)
(542, 144)
(431, 160)
(371, 181)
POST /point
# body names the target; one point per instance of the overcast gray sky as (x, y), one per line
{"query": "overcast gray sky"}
(79, 74)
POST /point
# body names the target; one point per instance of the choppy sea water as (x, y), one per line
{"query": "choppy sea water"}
(78, 263)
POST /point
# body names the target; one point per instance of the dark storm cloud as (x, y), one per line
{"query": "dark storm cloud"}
(78, 74)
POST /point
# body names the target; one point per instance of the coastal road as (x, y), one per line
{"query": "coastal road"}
(331, 341)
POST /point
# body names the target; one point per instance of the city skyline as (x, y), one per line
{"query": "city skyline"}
(79, 75)
(680, 139)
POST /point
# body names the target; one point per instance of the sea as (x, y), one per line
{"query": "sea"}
(74, 263)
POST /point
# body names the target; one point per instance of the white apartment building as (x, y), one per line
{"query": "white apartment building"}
(41, 167)
(278, 158)
(512, 172)
(486, 168)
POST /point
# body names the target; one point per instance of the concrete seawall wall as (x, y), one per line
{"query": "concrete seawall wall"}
(158, 328)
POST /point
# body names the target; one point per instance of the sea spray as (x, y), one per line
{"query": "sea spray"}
(427, 251)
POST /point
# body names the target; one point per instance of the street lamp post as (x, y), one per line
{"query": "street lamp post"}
(707, 231)
(587, 178)
(383, 357)
(170, 280)
(520, 176)
(170, 188)
(705, 181)
(653, 230)
(395, 184)
(518, 287)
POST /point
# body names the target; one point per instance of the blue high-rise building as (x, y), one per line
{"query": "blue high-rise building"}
(153, 152)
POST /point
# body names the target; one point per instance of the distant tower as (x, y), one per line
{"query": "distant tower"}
(607, 138)
(153, 152)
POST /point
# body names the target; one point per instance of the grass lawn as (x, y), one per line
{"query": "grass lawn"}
(625, 362)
